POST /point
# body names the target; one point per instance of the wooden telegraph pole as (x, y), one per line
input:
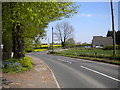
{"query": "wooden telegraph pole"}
(52, 40)
(114, 47)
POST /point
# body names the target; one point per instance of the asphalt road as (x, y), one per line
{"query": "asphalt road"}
(79, 73)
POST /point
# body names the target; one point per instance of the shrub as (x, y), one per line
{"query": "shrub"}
(52, 52)
(80, 45)
(11, 67)
(116, 57)
(108, 47)
(26, 62)
(118, 47)
(14, 65)
(29, 50)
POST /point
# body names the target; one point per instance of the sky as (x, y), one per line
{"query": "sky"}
(92, 19)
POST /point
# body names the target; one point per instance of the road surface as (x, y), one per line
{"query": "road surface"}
(79, 73)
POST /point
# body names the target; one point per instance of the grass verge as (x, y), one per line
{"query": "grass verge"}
(110, 60)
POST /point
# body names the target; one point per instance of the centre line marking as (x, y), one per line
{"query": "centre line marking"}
(101, 73)
(65, 61)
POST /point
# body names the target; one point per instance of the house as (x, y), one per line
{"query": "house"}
(100, 41)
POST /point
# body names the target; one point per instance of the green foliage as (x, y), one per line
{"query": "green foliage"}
(69, 43)
(92, 53)
(33, 18)
(52, 52)
(110, 47)
(7, 44)
(28, 45)
(109, 34)
(100, 56)
(80, 45)
(30, 15)
(28, 49)
(117, 36)
(96, 56)
(116, 57)
(26, 62)
(15, 66)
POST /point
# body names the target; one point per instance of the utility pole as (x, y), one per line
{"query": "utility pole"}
(114, 47)
(48, 42)
(52, 40)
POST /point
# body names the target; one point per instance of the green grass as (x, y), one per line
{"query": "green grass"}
(78, 51)
(16, 66)
(91, 54)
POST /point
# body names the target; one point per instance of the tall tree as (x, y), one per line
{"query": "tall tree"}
(117, 36)
(29, 19)
(70, 42)
(63, 32)
(109, 33)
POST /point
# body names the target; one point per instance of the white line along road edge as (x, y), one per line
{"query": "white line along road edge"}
(101, 73)
(53, 76)
(50, 71)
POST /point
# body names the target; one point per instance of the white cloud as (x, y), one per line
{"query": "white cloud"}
(84, 15)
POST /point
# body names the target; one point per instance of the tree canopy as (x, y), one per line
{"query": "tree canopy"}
(28, 20)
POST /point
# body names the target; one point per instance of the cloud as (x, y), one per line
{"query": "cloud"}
(84, 15)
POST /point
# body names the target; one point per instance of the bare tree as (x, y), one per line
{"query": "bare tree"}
(64, 31)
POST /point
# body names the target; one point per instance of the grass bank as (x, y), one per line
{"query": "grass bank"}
(90, 54)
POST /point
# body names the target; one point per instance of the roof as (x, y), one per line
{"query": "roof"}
(100, 40)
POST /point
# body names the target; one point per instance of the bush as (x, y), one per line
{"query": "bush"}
(29, 50)
(110, 47)
(52, 52)
(80, 45)
(11, 66)
(116, 57)
(14, 65)
(118, 47)
(26, 62)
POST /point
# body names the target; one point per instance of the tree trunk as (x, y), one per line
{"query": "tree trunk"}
(18, 41)
(63, 44)
(7, 47)
(6, 53)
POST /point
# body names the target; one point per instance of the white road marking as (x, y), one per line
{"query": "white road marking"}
(65, 61)
(58, 86)
(101, 73)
